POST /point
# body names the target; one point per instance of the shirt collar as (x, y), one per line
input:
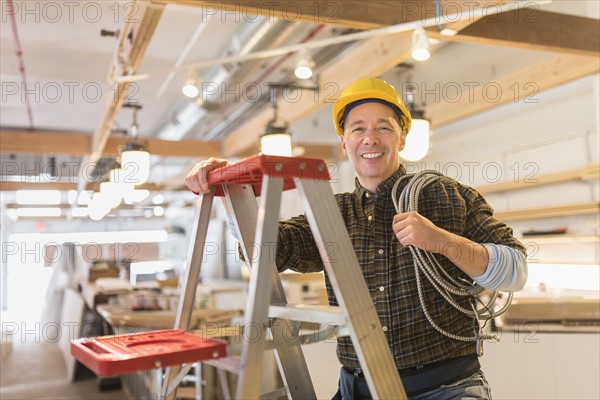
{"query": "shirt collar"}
(384, 187)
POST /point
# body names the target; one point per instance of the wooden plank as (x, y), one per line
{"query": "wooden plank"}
(587, 172)
(43, 142)
(78, 144)
(592, 207)
(169, 148)
(372, 57)
(522, 85)
(358, 14)
(7, 186)
(49, 142)
(524, 26)
(531, 28)
(10, 186)
(143, 33)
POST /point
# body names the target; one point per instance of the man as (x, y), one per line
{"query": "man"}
(433, 343)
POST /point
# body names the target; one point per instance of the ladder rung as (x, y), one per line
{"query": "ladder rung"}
(229, 364)
(319, 314)
(275, 394)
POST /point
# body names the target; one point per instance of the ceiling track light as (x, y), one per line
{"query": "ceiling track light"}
(305, 65)
(190, 88)
(420, 45)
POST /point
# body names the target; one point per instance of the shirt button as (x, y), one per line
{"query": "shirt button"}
(380, 251)
(384, 328)
(370, 218)
(368, 195)
(381, 288)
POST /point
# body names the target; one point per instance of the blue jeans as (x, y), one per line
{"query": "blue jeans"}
(471, 387)
(474, 386)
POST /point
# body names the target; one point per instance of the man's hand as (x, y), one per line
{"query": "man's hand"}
(196, 179)
(411, 228)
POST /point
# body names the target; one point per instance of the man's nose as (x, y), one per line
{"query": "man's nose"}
(371, 137)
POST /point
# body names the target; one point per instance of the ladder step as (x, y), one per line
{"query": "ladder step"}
(275, 394)
(319, 314)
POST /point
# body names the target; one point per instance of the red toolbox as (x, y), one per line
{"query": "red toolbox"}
(122, 354)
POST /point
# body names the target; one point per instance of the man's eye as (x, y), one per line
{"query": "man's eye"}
(358, 130)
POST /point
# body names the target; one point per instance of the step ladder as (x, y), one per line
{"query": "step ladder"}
(257, 228)
(270, 321)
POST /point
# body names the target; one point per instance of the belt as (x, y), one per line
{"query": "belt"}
(423, 378)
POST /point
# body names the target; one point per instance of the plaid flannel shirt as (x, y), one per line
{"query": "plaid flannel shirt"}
(388, 267)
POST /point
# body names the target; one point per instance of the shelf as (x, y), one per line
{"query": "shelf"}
(588, 172)
(592, 207)
(561, 239)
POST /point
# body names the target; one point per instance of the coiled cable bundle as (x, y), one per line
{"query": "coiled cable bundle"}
(447, 286)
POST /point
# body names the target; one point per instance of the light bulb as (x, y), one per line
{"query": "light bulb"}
(276, 144)
(190, 89)
(417, 141)
(135, 166)
(304, 66)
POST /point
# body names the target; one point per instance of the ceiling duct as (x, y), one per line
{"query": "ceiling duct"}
(246, 111)
(249, 37)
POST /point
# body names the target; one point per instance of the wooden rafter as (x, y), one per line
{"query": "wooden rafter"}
(533, 29)
(63, 186)
(523, 26)
(522, 85)
(142, 34)
(78, 144)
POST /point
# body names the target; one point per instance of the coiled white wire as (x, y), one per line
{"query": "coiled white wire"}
(445, 284)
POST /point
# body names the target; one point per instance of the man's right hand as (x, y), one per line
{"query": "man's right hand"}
(196, 179)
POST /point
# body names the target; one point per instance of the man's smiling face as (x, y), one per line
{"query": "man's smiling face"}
(372, 139)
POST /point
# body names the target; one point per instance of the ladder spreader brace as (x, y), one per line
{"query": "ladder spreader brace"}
(257, 228)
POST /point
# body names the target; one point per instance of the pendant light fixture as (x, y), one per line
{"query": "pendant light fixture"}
(277, 139)
(135, 159)
(420, 45)
(417, 140)
(190, 88)
(305, 65)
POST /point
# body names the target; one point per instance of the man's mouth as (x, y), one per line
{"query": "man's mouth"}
(372, 155)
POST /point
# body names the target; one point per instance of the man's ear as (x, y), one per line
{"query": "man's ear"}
(344, 146)
(402, 139)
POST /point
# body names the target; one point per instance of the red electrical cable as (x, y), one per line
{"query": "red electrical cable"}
(19, 52)
(305, 39)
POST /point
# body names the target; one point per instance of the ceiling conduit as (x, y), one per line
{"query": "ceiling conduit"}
(251, 36)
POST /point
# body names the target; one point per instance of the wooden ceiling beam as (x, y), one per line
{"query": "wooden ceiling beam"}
(523, 26)
(8, 186)
(358, 14)
(532, 29)
(48, 142)
(77, 144)
(43, 142)
(522, 85)
(142, 33)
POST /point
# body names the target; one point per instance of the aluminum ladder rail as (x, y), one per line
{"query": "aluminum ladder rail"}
(257, 226)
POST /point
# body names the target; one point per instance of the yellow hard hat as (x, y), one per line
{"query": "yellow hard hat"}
(373, 89)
